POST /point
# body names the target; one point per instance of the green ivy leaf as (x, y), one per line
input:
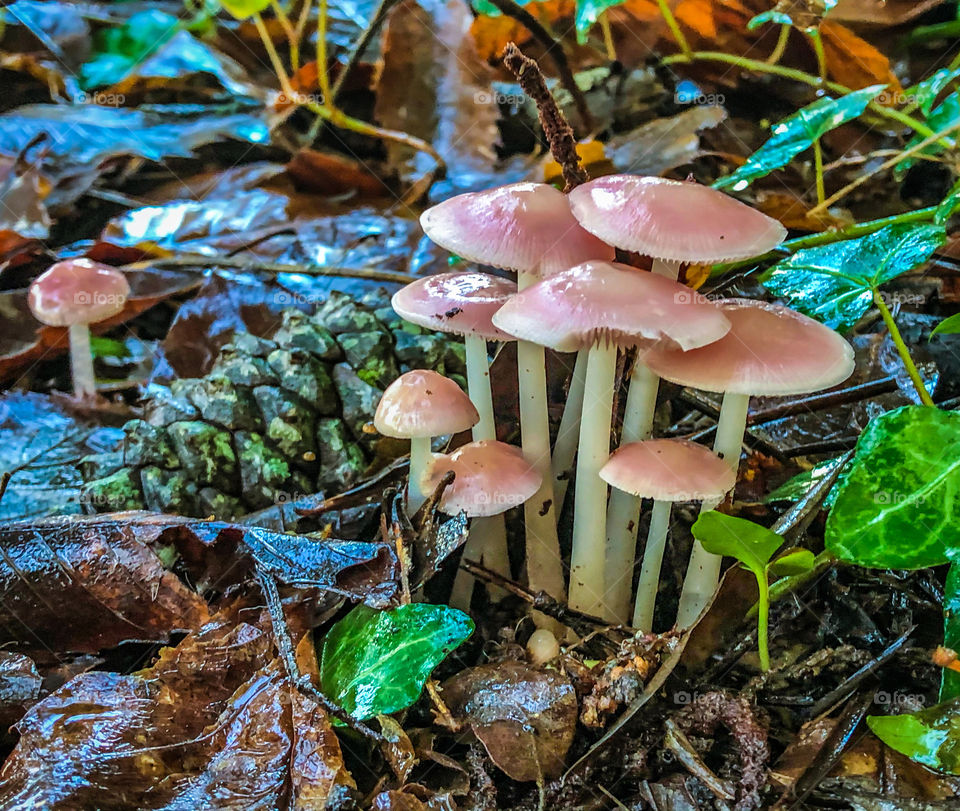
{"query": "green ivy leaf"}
(772, 16)
(949, 326)
(797, 487)
(753, 545)
(376, 662)
(834, 283)
(948, 205)
(244, 9)
(944, 115)
(898, 506)
(797, 133)
(588, 12)
(118, 50)
(925, 93)
(930, 737)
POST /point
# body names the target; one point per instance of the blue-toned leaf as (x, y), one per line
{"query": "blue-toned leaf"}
(899, 504)
(834, 283)
(797, 133)
(118, 50)
(588, 12)
(772, 16)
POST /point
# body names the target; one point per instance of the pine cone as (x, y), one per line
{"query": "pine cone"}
(276, 419)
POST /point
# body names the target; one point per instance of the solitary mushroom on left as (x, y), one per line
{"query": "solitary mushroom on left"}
(76, 293)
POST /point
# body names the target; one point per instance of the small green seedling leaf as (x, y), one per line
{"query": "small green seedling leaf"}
(120, 49)
(948, 205)
(794, 562)
(244, 9)
(943, 116)
(108, 347)
(898, 506)
(835, 283)
(772, 16)
(930, 737)
(751, 544)
(376, 662)
(949, 326)
(797, 133)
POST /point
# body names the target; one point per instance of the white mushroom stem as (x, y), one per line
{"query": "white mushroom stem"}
(623, 512)
(652, 563)
(81, 361)
(544, 568)
(478, 386)
(568, 435)
(590, 498)
(420, 456)
(487, 540)
(703, 572)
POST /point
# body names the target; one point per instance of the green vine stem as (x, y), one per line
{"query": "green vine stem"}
(763, 620)
(902, 349)
(817, 40)
(757, 66)
(818, 169)
(781, 45)
(685, 50)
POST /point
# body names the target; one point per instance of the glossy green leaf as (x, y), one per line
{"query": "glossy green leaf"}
(950, 679)
(930, 736)
(753, 545)
(797, 133)
(898, 506)
(796, 488)
(118, 50)
(772, 16)
(794, 562)
(949, 326)
(376, 662)
(948, 205)
(834, 283)
(243, 9)
(925, 93)
(944, 115)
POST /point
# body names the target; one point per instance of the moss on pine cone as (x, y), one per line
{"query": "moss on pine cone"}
(276, 418)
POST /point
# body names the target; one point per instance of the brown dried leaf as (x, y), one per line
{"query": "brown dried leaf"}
(20, 686)
(525, 718)
(398, 749)
(853, 61)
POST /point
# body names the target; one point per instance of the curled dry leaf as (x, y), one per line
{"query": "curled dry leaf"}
(525, 718)
(853, 61)
(214, 723)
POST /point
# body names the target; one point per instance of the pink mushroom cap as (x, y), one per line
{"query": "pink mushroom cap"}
(422, 403)
(77, 291)
(605, 301)
(527, 227)
(669, 470)
(769, 350)
(674, 220)
(490, 478)
(459, 303)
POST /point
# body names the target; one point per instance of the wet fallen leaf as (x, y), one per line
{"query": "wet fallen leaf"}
(853, 61)
(20, 687)
(524, 718)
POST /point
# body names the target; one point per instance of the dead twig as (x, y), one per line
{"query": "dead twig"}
(301, 681)
(563, 145)
(259, 266)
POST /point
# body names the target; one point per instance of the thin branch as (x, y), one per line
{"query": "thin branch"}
(563, 145)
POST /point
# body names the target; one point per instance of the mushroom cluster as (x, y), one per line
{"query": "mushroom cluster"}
(570, 297)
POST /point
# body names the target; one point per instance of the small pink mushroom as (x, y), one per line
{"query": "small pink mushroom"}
(76, 293)
(666, 470)
(418, 406)
(770, 350)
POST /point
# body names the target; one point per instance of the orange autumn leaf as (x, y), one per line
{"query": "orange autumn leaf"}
(853, 61)
(491, 34)
(698, 15)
